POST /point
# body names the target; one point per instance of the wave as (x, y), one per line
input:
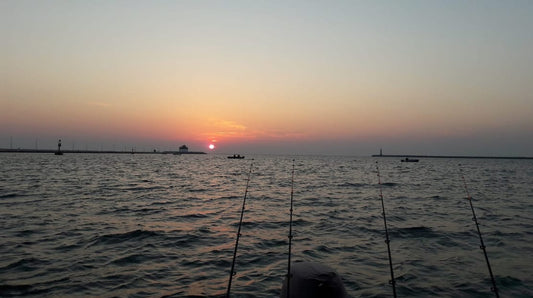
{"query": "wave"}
(130, 259)
(14, 290)
(350, 184)
(193, 215)
(135, 188)
(26, 264)
(414, 232)
(10, 195)
(122, 237)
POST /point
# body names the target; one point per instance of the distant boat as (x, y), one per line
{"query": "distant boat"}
(409, 160)
(236, 156)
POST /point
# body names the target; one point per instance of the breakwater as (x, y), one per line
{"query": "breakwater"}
(95, 151)
(451, 156)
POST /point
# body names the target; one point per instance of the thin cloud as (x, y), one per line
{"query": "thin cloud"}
(99, 104)
(227, 129)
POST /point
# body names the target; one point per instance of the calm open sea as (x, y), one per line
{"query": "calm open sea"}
(154, 225)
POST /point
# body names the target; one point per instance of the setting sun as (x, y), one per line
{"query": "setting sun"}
(211, 146)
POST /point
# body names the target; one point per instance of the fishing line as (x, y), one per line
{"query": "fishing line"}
(482, 246)
(232, 272)
(392, 281)
(290, 235)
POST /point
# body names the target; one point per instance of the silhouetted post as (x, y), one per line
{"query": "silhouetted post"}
(494, 288)
(232, 271)
(387, 239)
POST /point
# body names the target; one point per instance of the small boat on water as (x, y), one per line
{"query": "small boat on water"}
(236, 156)
(409, 160)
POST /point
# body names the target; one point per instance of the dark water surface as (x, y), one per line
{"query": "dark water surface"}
(155, 225)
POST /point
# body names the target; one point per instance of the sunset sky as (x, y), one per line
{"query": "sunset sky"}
(299, 77)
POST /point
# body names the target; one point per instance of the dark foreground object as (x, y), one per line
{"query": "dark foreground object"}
(313, 280)
(409, 160)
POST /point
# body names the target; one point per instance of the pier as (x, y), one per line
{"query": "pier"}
(451, 156)
(19, 150)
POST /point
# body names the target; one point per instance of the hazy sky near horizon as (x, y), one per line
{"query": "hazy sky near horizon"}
(427, 77)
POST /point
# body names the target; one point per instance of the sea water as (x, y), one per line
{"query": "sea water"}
(165, 225)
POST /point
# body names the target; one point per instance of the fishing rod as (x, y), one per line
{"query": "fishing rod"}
(482, 246)
(232, 272)
(290, 235)
(387, 240)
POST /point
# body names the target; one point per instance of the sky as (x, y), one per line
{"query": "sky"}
(275, 77)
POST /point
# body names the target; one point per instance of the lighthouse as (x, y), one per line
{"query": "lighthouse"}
(58, 152)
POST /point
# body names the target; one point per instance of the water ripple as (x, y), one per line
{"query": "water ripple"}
(158, 225)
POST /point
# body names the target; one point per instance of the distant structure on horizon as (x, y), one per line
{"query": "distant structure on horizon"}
(407, 157)
(183, 149)
(58, 152)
